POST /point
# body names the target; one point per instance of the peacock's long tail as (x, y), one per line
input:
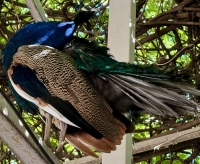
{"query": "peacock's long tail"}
(129, 87)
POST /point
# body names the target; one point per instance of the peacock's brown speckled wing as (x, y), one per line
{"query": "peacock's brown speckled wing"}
(57, 72)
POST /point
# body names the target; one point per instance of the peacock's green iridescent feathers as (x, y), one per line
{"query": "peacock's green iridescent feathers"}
(91, 57)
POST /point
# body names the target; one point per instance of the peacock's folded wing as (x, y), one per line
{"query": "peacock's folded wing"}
(26, 83)
(49, 79)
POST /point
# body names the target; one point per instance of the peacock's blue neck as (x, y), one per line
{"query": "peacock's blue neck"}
(54, 34)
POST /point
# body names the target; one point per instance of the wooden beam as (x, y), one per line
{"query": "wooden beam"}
(16, 134)
(160, 142)
(169, 149)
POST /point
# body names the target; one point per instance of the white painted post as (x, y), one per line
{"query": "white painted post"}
(121, 29)
(121, 41)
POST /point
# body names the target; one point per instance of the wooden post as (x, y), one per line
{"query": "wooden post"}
(121, 29)
(121, 41)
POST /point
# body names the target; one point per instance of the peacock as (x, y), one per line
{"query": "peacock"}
(84, 88)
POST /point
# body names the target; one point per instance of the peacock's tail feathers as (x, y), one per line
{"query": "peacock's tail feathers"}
(154, 98)
(137, 87)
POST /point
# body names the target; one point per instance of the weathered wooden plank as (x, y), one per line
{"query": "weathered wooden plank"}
(167, 140)
(19, 138)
